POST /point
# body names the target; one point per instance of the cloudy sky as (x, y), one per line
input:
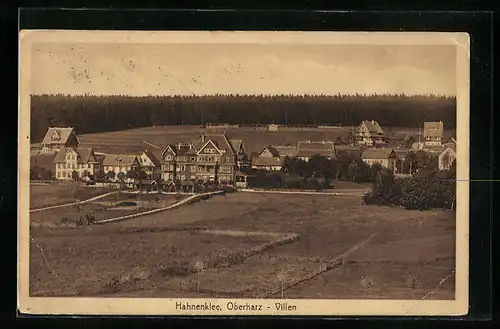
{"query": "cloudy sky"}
(168, 69)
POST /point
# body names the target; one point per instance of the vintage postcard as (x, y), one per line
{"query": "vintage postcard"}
(243, 173)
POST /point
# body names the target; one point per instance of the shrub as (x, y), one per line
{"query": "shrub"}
(228, 189)
(386, 190)
(87, 219)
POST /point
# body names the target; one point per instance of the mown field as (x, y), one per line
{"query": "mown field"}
(56, 194)
(133, 140)
(236, 245)
(111, 206)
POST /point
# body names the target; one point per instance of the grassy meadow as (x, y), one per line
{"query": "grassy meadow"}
(157, 255)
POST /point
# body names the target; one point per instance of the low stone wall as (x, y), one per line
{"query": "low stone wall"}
(190, 199)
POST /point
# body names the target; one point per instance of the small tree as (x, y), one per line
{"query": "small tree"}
(121, 176)
(110, 175)
(75, 176)
(100, 176)
(131, 174)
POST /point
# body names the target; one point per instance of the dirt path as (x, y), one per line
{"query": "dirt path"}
(73, 203)
(181, 202)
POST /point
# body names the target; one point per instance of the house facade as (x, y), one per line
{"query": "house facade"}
(57, 137)
(119, 163)
(80, 160)
(214, 157)
(433, 134)
(370, 133)
(447, 156)
(386, 157)
(150, 161)
(268, 159)
(307, 149)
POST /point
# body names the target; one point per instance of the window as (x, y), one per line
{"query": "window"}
(168, 157)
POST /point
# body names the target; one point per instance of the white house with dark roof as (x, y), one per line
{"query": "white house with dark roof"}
(433, 134)
(150, 161)
(384, 156)
(307, 149)
(79, 159)
(447, 156)
(268, 159)
(59, 137)
(120, 163)
(370, 133)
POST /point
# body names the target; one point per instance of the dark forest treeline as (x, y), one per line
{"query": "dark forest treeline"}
(89, 114)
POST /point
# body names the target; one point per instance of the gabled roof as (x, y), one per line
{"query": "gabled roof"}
(274, 152)
(452, 146)
(433, 129)
(58, 135)
(377, 153)
(289, 151)
(119, 160)
(402, 152)
(308, 149)
(84, 154)
(372, 126)
(179, 149)
(221, 141)
(267, 161)
(236, 144)
(153, 155)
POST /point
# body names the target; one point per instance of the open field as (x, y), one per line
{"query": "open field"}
(247, 243)
(56, 194)
(133, 140)
(104, 208)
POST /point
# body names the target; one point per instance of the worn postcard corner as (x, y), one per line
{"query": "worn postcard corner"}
(243, 173)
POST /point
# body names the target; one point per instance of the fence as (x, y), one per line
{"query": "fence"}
(328, 265)
(175, 205)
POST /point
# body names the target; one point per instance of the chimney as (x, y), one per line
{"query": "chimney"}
(373, 122)
(202, 138)
(179, 146)
(190, 146)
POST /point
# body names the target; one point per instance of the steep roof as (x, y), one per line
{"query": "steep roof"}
(179, 149)
(372, 126)
(267, 161)
(377, 153)
(221, 141)
(289, 151)
(402, 152)
(452, 146)
(119, 160)
(433, 129)
(84, 154)
(154, 155)
(57, 135)
(274, 152)
(236, 144)
(308, 149)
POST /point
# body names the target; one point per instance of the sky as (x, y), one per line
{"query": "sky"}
(185, 69)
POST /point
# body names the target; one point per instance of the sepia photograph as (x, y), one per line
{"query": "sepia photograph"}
(243, 173)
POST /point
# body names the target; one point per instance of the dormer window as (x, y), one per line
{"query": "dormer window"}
(55, 136)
